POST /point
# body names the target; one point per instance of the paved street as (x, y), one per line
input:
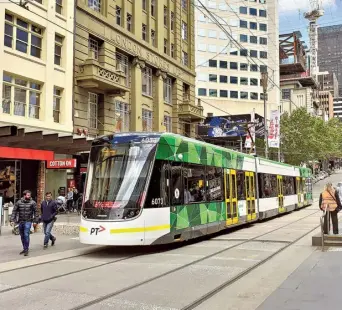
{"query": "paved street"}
(241, 269)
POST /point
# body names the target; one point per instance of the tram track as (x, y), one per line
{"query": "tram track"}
(211, 293)
(118, 260)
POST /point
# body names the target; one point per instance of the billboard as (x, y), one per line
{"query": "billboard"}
(250, 132)
(274, 129)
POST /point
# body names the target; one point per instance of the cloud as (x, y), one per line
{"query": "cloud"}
(292, 6)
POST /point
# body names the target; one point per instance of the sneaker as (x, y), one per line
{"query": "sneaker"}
(53, 241)
(26, 253)
(45, 246)
(22, 252)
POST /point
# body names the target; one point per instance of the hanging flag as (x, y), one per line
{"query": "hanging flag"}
(274, 129)
(251, 133)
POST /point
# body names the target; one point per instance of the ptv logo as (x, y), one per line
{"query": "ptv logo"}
(96, 230)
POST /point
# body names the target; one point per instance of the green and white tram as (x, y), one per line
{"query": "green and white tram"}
(154, 188)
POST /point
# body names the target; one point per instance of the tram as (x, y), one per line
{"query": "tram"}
(156, 188)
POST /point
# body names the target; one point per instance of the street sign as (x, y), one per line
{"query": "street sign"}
(61, 164)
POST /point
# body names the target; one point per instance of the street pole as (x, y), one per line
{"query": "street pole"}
(264, 81)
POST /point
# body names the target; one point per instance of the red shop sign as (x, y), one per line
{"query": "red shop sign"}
(61, 164)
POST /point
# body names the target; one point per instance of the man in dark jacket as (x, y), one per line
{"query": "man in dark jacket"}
(25, 212)
(49, 211)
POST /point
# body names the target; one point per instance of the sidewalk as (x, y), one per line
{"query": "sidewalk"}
(315, 285)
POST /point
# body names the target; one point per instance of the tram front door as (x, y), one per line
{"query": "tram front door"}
(280, 186)
(250, 195)
(299, 191)
(231, 196)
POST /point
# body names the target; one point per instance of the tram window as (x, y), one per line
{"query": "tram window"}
(227, 186)
(240, 178)
(214, 184)
(288, 184)
(267, 185)
(195, 178)
(233, 186)
(177, 191)
(158, 190)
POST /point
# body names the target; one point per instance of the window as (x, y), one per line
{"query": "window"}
(194, 183)
(21, 97)
(122, 120)
(172, 50)
(147, 118)
(202, 18)
(223, 6)
(212, 4)
(129, 22)
(253, 25)
(201, 32)
(212, 63)
(253, 12)
(263, 68)
(168, 123)
(118, 15)
(202, 92)
(243, 67)
(254, 96)
(58, 49)
(94, 48)
(234, 51)
(262, 27)
(263, 54)
(267, 185)
(168, 90)
(223, 64)
(59, 6)
(184, 4)
(222, 36)
(243, 95)
(57, 97)
(243, 38)
(286, 94)
(214, 184)
(243, 24)
(144, 5)
(253, 39)
(93, 101)
(262, 13)
(224, 93)
(243, 10)
(176, 192)
(254, 68)
(243, 52)
(185, 58)
(263, 41)
(233, 80)
(153, 8)
(289, 185)
(172, 21)
(184, 31)
(27, 37)
(165, 16)
(254, 82)
(147, 81)
(153, 37)
(165, 46)
(212, 48)
(212, 34)
(202, 77)
(240, 181)
(234, 94)
(144, 35)
(243, 81)
(262, 1)
(253, 53)
(122, 65)
(234, 65)
(212, 92)
(212, 78)
(95, 5)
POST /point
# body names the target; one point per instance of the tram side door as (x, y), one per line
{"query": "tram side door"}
(250, 195)
(280, 186)
(299, 191)
(304, 192)
(231, 196)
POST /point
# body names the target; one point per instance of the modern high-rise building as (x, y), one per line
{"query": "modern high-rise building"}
(235, 42)
(135, 67)
(329, 52)
(338, 108)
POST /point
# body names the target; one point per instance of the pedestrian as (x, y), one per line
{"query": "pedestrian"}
(329, 200)
(25, 212)
(70, 199)
(49, 211)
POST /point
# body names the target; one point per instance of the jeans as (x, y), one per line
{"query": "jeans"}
(24, 230)
(334, 220)
(47, 227)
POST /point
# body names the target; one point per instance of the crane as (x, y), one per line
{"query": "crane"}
(313, 15)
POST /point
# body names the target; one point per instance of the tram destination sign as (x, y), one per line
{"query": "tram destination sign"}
(61, 164)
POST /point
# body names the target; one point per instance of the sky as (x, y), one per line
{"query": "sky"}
(291, 15)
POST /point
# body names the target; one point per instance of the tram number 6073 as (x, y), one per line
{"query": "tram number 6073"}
(157, 201)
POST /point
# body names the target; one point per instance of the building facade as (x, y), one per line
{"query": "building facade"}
(135, 67)
(326, 100)
(328, 82)
(36, 111)
(338, 108)
(329, 52)
(233, 46)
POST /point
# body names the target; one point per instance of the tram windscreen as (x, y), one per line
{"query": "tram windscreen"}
(117, 176)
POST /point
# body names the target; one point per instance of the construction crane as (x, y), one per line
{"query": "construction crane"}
(315, 13)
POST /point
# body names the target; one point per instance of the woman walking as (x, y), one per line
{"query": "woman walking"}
(329, 200)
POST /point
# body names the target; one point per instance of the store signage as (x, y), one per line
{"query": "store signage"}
(61, 164)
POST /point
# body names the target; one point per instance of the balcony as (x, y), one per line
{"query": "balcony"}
(187, 109)
(94, 76)
(292, 64)
(304, 78)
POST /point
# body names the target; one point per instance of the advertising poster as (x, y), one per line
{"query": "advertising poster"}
(251, 134)
(274, 129)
